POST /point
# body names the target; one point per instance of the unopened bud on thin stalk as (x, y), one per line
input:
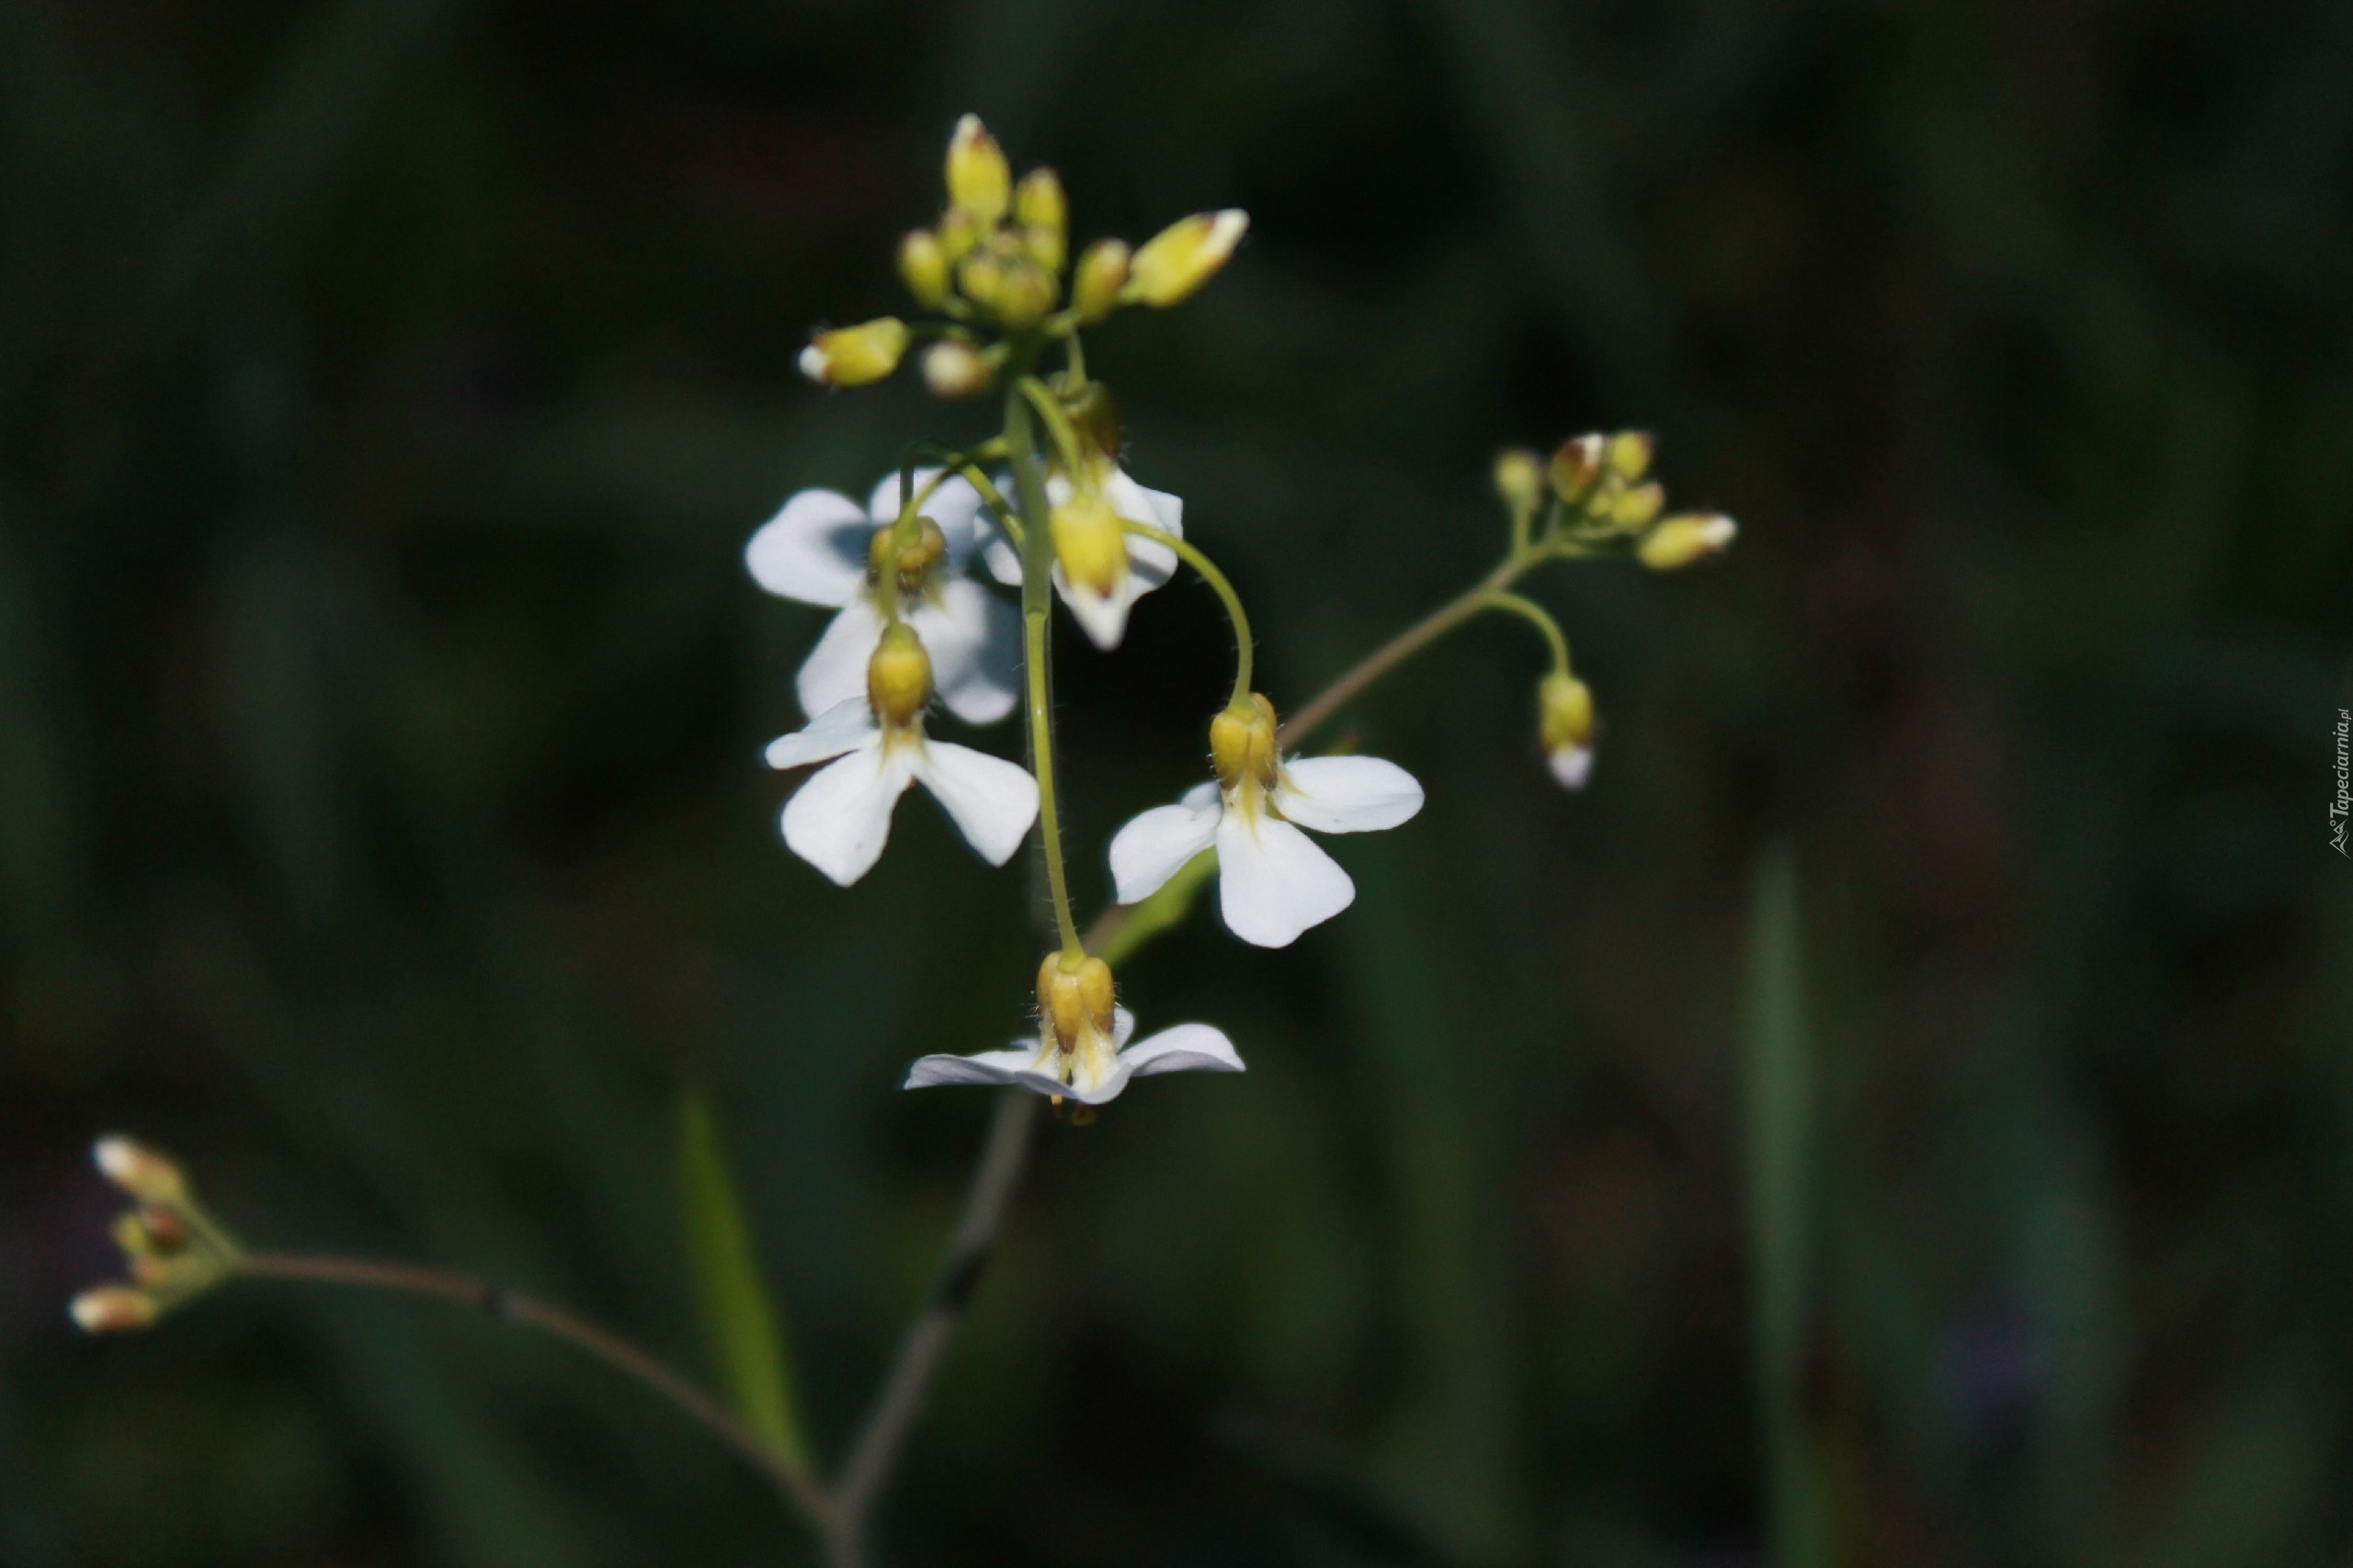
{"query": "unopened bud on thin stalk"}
(1242, 743)
(1575, 466)
(1635, 507)
(1025, 294)
(853, 356)
(923, 264)
(1629, 454)
(980, 182)
(1040, 206)
(952, 368)
(1565, 727)
(113, 1308)
(139, 1170)
(1519, 479)
(1184, 255)
(1102, 273)
(1686, 538)
(1072, 1000)
(898, 677)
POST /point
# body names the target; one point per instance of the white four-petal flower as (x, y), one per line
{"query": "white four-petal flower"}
(1273, 881)
(1104, 615)
(840, 819)
(816, 549)
(1095, 1071)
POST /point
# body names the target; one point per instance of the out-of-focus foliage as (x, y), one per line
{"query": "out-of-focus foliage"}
(386, 390)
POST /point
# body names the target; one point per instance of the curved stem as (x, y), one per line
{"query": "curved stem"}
(531, 1311)
(1057, 423)
(1192, 557)
(1527, 609)
(1037, 615)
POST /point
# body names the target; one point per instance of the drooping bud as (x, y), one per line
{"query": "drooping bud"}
(1520, 479)
(1183, 256)
(1043, 212)
(1634, 507)
(898, 677)
(139, 1171)
(1242, 743)
(1629, 454)
(1089, 544)
(1686, 538)
(1073, 1002)
(853, 356)
(1102, 273)
(907, 558)
(923, 263)
(954, 368)
(1565, 728)
(980, 182)
(1575, 466)
(113, 1308)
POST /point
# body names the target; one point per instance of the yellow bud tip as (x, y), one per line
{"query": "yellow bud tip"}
(853, 356)
(113, 1308)
(923, 265)
(980, 182)
(1242, 743)
(1629, 454)
(139, 1170)
(898, 677)
(1074, 998)
(1519, 479)
(1184, 255)
(1089, 544)
(1102, 273)
(953, 370)
(1687, 537)
(1040, 206)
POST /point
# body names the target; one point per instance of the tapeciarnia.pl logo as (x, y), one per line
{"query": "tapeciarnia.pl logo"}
(2342, 806)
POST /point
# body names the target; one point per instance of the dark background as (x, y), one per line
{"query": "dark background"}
(387, 388)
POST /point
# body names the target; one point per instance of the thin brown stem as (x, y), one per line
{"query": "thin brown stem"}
(900, 1401)
(1398, 649)
(531, 1311)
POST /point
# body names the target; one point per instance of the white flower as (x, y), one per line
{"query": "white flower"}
(1094, 1072)
(840, 819)
(820, 548)
(1102, 613)
(1273, 882)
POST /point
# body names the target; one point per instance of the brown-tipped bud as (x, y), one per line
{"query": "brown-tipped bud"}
(923, 265)
(139, 1170)
(1089, 544)
(980, 182)
(853, 356)
(113, 1308)
(1634, 507)
(1686, 538)
(1519, 479)
(1102, 273)
(1242, 743)
(1565, 728)
(1184, 255)
(1043, 212)
(952, 368)
(1073, 1001)
(1629, 454)
(1575, 466)
(898, 677)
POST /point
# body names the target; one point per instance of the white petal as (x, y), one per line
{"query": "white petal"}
(834, 670)
(991, 800)
(986, 1067)
(1152, 562)
(1347, 794)
(997, 552)
(1273, 882)
(1152, 847)
(975, 640)
(813, 550)
(845, 726)
(1200, 795)
(1187, 1047)
(1103, 616)
(840, 820)
(952, 506)
(1572, 766)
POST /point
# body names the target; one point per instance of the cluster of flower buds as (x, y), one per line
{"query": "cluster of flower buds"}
(999, 259)
(173, 1249)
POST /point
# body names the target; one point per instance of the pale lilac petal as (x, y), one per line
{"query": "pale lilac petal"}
(991, 800)
(975, 640)
(952, 506)
(845, 726)
(813, 550)
(1347, 794)
(1273, 882)
(840, 820)
(1186, 1048)
(1153, 847)
(834, 670)
(983, 1067)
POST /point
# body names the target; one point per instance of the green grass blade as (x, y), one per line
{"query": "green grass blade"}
(745, 1331)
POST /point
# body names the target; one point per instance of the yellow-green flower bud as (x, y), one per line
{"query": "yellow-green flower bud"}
(955, 369)
(1686, 538)
(980, 182)
(1102, 274)
(1025, 293)
(1519, 479)
(908, 559)
(1089, 543)
(923, 263)
(1565, 727)
(898, 677)
(1040, 206)
(853, 356)
(1629, 454)
(1635, 507)
(1575, 466)
(1183, 256)
(1073, 1002)
(139, 1171)
(114, 1309)
(1242, 743)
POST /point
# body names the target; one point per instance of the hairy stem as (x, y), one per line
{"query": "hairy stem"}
(1402, 647)
(1192, 557)
(1037, 615)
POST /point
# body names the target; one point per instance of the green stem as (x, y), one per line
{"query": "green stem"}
(1536, 615)
(1216, 579)
(1403, 646)
(1057, 423)
(1037, 615)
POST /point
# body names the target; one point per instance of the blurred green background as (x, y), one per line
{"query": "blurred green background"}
(387, 388)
